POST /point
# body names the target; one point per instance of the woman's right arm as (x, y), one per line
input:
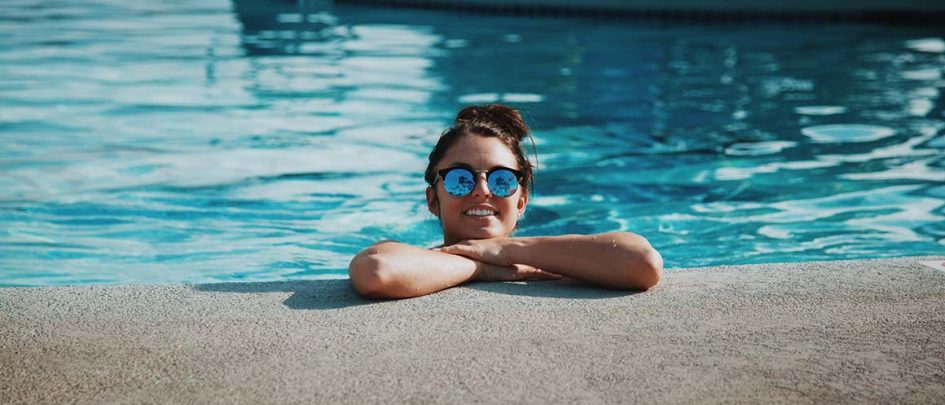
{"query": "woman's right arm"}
(390, 269)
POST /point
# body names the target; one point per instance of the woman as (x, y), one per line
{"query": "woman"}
(479, 180)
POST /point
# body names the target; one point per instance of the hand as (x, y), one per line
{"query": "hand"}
(494, 250)
(492, 272)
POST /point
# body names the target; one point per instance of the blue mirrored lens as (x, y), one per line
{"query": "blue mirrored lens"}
(503, 183)
(459, 182)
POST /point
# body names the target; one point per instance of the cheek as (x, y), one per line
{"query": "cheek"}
(510, 213)
(453, 211)
(450, 205)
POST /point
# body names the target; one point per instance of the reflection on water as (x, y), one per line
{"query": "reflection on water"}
(844, 133)
(243, 141)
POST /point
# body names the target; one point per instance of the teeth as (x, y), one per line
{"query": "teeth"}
(480, 212)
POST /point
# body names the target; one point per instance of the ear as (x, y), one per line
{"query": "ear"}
(432, 204)
(522, 203)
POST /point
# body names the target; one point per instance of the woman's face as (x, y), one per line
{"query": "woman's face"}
(478, 153)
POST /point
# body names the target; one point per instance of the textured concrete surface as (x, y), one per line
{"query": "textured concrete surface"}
(854, 331)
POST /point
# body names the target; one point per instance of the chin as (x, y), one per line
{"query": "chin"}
(485, 233)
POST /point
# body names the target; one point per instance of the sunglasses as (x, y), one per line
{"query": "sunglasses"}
(460, 181)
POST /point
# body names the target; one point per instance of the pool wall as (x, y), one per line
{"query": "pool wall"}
(916, 11)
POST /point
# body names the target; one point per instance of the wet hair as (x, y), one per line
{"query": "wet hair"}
(493, 120)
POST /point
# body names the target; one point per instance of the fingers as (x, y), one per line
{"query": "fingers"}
(491, 272)
(462, 250)
(529, 272)
(448, 249)
(452, 249)
(544, 275)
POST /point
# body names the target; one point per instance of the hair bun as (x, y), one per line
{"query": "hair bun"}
(495, 117)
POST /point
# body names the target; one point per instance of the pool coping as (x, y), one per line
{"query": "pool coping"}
(835, 331)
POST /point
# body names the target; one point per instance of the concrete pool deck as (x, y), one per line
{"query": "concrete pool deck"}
(843, 331)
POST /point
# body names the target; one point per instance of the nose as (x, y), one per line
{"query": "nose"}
(482, 186)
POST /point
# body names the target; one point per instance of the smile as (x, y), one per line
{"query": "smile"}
(480, 213)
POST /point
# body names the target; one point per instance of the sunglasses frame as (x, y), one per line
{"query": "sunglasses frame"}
(441, 174)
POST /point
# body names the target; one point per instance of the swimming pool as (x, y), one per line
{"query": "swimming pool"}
(167, 143)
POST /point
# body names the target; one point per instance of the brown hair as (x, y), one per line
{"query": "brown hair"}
(493, 120)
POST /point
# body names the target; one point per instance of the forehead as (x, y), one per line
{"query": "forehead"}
(480, 152)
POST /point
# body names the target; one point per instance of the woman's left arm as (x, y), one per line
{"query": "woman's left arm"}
(620, 260)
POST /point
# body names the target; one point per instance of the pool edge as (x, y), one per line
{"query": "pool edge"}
(822, 331)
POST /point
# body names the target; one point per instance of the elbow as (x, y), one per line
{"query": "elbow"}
(644, 265)
(368, 275)
(647, 270)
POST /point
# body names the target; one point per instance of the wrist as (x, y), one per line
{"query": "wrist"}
(518, 248)
(477, 271)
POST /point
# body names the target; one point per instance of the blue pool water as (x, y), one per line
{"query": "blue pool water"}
(172, 142)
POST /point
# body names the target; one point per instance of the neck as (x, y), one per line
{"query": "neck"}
(450, 240)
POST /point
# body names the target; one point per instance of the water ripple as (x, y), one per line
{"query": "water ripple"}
(847, 133)
(254, 141)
